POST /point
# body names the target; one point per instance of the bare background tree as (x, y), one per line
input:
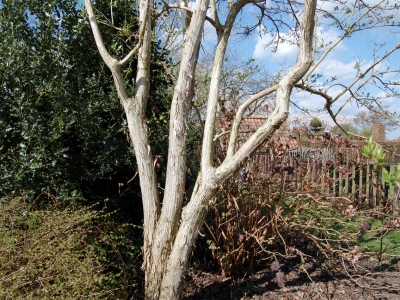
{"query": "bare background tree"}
(365, 119)
(170, 228)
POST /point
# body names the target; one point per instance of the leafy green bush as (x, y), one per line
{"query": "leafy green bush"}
(316, 123)
(64, 254)
(63, 127)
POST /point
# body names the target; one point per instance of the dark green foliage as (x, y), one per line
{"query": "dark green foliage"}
(63, 128)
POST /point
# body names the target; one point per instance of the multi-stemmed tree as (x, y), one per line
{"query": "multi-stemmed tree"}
(170, 227)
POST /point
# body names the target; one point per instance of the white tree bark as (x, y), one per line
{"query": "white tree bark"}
(168, 223)
(170, 232)
(135, 108)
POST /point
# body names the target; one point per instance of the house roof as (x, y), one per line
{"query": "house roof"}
(281, 137)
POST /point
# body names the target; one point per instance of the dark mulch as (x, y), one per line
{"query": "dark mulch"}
(368, 279)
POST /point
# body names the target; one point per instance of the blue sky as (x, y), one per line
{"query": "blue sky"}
(340, 62)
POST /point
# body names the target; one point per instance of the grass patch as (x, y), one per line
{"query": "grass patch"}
(380, 239)
(328, 221)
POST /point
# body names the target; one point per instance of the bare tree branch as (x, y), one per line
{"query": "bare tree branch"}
(362, 75)
(349, 30)
(209, 127)
(239, 116)
(285, 86)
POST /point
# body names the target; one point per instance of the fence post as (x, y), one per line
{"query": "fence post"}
(357, 184)
(299, 174)
(386, 196)
(370, 184)
(364, 181)
(336, 186)
(350, 181)
(396, 197)
(329, 174)
(378, 187)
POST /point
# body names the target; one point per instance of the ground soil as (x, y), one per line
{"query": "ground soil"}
(367, 279)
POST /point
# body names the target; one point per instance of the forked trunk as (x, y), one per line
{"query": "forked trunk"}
(163, 281)
(170, 232)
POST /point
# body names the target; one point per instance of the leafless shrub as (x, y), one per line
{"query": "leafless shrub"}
(290, 211)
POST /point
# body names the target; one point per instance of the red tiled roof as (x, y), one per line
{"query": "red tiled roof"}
(281, 137)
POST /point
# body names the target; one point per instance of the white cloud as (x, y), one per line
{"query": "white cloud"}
(335, 68)
(285, 52)
(314, 103)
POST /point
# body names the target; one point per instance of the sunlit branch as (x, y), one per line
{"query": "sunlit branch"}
(362, 75)
(239, 116)
(168, 6)
(294, 14)
(108, 59)
(353, 94)
(131, 53)
(111, 62)
(283, 91)
(212, 103)
(215, 14)
(221, 134)
(352, 13)
(348, 31)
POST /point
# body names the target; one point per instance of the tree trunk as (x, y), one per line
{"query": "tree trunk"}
(164, 282)
(169, 233)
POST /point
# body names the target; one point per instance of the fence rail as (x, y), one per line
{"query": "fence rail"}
(344, 173)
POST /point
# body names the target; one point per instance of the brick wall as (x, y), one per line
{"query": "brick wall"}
(378, 133)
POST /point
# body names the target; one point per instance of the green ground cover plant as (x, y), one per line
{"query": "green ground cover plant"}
(65, 253)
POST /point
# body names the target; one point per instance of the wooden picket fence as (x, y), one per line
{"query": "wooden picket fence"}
(337, 172)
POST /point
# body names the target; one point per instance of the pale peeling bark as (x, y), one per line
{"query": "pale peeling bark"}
(239, 116)
(170, 234)
(135, 110)
(209, 127)
(135, 114)
(210, 179)
(192, 218)
(283, 92)
(176, 168)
